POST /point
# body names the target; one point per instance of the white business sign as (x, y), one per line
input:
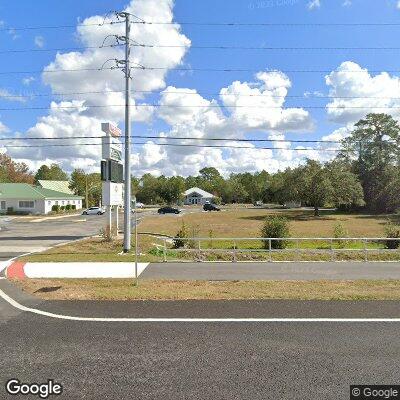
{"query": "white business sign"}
(111, 148)
(111, 129)
(112, 193)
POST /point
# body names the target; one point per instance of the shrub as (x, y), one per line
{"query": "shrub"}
(10, 210)
(73, 207)
(179, 239)
(62, 208)
(392, 231)
(217, 200)
(55, 208)
(108, 234)
(275, 227)
(339, 231)
(68, 207)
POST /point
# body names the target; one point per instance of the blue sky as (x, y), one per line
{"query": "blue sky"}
(24, 13)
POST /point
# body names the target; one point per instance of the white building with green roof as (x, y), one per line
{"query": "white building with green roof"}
(22, 197)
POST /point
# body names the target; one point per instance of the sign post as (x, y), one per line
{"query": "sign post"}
(111, 171)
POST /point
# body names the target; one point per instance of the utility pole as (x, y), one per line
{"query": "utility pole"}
(127, 194)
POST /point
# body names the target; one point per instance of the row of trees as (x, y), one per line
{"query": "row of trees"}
(366, 172)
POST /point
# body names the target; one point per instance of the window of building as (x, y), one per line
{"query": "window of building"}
(49, 202)
(63, 202)
(2, 205)
(26, 204)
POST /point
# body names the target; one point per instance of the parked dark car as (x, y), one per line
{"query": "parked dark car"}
(168, 210)
(210, 207)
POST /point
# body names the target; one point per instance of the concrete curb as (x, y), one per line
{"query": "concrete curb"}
(72, 270)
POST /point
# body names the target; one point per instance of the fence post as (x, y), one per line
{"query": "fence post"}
(365, 250)
(333, 258)
(234, 251)
(298, 250)
(165, 250)
(270, 249)
(199, 249)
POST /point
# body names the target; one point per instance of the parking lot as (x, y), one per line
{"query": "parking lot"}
(19, 235)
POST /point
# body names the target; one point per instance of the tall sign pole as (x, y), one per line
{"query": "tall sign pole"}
(127, 197)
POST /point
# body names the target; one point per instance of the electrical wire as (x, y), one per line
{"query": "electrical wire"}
(269, 24)
(10, 138)
(236, 94)
(203, 106)
(177, 145)
(28, 28)
(194, 70)
(58, 70)
(60, 49)
(214, 47)
(262, 47)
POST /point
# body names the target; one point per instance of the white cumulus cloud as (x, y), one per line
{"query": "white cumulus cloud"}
(356, 92)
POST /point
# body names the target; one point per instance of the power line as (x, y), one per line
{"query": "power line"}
(261, 47)
(320, 71)
(196, 70)
(205, 23)
(58, 49)
(9, 138)
(268, 24)
(237, 94)
(210, 47)
(28, 28)
(202, 106)
(177, 145)
(58, 70)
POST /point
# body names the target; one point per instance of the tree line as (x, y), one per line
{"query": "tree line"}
(366, 173)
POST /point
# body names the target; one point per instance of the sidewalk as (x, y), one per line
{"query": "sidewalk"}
(78, 270)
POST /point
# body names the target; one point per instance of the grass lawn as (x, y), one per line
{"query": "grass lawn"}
(248, 223)
(123, 289)
(228, 224)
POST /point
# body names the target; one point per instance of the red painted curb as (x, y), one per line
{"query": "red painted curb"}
(16, 270)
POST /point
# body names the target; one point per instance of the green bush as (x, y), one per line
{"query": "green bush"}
(339, 231)
(55, 208)
(68, 207)
(182, 234)
(73, 207)
(275, 227)
(62, 208)
(217, 200)
(392, 231)
(10, 210)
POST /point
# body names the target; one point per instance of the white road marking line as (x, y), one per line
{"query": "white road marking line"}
(91, 319)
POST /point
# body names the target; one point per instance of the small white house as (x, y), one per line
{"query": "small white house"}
(197, 196)
(22, 197)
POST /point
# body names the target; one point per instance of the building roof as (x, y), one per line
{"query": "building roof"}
(25, 191)
(58, 186)
(201, 192)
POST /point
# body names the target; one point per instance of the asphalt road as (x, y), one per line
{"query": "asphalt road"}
(22, 235)
(272, 271)
(241, 360)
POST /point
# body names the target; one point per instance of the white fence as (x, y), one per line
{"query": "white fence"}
(268, 249)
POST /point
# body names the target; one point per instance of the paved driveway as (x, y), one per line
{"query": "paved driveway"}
(21, 235)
